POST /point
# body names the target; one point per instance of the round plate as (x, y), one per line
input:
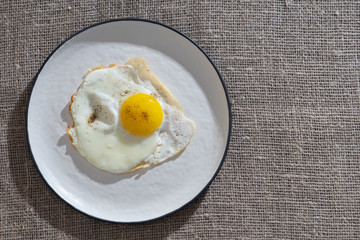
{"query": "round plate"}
(183, 67)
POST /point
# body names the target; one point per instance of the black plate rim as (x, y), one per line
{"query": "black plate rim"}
(203, 52)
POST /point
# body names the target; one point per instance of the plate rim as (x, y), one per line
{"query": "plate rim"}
(181, 34)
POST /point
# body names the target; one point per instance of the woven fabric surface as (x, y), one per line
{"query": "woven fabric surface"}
(292, 72)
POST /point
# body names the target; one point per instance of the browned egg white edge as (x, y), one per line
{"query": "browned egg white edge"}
(143, 71)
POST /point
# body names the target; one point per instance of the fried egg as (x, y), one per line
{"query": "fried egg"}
(125, 119)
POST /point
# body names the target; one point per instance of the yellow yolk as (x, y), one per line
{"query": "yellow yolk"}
(141, 114)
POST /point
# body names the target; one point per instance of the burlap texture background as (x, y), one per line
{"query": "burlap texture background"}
(292, 71)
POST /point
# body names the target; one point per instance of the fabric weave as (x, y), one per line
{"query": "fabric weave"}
(292, 72)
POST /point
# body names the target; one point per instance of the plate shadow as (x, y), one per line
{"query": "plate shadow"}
(48, 206)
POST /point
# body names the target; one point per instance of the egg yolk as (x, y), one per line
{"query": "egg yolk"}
(141, 114)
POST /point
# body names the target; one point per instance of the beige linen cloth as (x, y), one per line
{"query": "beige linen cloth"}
(293, 75)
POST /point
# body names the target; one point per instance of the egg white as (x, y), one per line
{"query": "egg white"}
(98, 134)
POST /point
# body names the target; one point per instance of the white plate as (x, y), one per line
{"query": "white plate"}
(146, 194)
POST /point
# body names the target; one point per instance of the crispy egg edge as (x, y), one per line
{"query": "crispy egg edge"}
(143, 71)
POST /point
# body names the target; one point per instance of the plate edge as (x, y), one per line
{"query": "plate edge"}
(191, 41)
